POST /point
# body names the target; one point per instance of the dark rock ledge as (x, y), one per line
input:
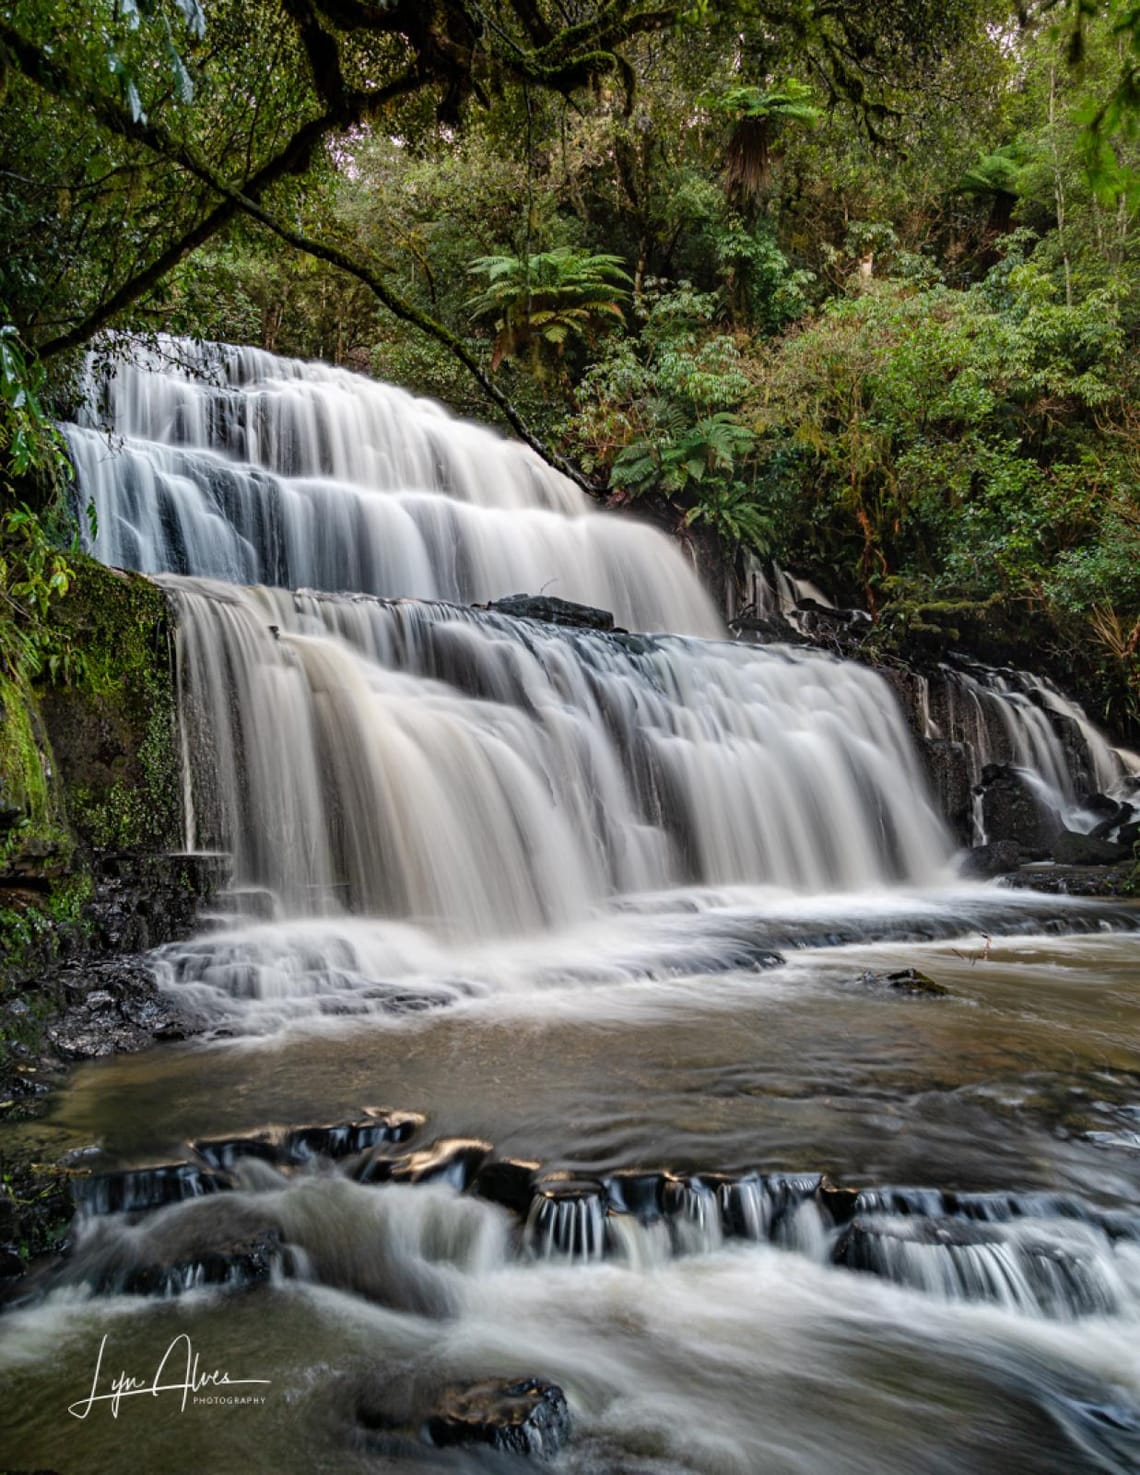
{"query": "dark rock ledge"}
(200, 1231)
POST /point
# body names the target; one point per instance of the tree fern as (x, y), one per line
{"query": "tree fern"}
(542, 301)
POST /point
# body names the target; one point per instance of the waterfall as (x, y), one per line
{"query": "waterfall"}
(462, 769)
(234, 464)
(360, 750)
(1017, 718)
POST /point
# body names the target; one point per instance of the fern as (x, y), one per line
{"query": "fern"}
(543, 301)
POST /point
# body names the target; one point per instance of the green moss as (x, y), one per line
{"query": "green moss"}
(32, 930)
(113, 728)
(30, 809)
(88, 762)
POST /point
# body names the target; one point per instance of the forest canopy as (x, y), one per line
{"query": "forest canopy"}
(853, 287)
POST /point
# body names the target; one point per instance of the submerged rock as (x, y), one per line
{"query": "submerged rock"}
(508, 1182)
(526, 1417)
(246, 1260)
(906, 981)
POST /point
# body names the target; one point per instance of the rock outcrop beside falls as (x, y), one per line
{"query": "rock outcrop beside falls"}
(91, 865)
(1014, 764)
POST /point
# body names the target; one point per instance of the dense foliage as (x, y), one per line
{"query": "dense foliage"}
(855, 288)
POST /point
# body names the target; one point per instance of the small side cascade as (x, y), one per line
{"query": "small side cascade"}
(568, 1220)
(767, 592)
(1016, 718)
(1064, 1275)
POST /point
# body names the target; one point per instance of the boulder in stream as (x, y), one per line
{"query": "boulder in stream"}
(906, 981)
(241, 1261)
(1071, 848)
(527, 1416)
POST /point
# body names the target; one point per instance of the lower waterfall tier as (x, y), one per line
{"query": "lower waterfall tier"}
(483, 774)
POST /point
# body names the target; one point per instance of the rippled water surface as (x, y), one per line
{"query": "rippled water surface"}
(733, 1357)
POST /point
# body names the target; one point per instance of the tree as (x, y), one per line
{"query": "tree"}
(211, 133)
(542, 301)
(758, 117)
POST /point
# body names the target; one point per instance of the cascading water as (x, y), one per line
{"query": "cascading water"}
(234, 464)
(498, 775)
(593, 848)
(1019, 718)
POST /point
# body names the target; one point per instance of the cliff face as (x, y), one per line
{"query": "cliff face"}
(90, 824)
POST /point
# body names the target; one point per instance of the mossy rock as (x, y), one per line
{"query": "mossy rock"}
(113, 727)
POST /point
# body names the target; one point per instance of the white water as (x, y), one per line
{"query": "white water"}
(542, 825)
(486, 774)
(231, 463)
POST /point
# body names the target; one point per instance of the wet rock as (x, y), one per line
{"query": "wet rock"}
(1010, 811)
(568, 1218)
(552, 611)
(343, 1139)
(11, 1266)
(223, 1153)
(767, 630)
(454, 1160)
(508, 1182)
(247, 1260)
(250, 902)
(906, 981)
(1071, 880)
(1070, 848)
(114, 1007)
(133, 1190)
(638, 1193)
(948, 768)
(984, 862)
(1110, 827)
(746, 1206)
(527, 1417)
(911, 981)
(840, 1203)
(693, 1207)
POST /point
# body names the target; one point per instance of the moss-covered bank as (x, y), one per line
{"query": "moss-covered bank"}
(90, 806)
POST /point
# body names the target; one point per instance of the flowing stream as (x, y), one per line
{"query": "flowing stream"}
(597, 1006)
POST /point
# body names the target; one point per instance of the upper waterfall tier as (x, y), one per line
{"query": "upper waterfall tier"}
(233, 464)
(496, 775)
